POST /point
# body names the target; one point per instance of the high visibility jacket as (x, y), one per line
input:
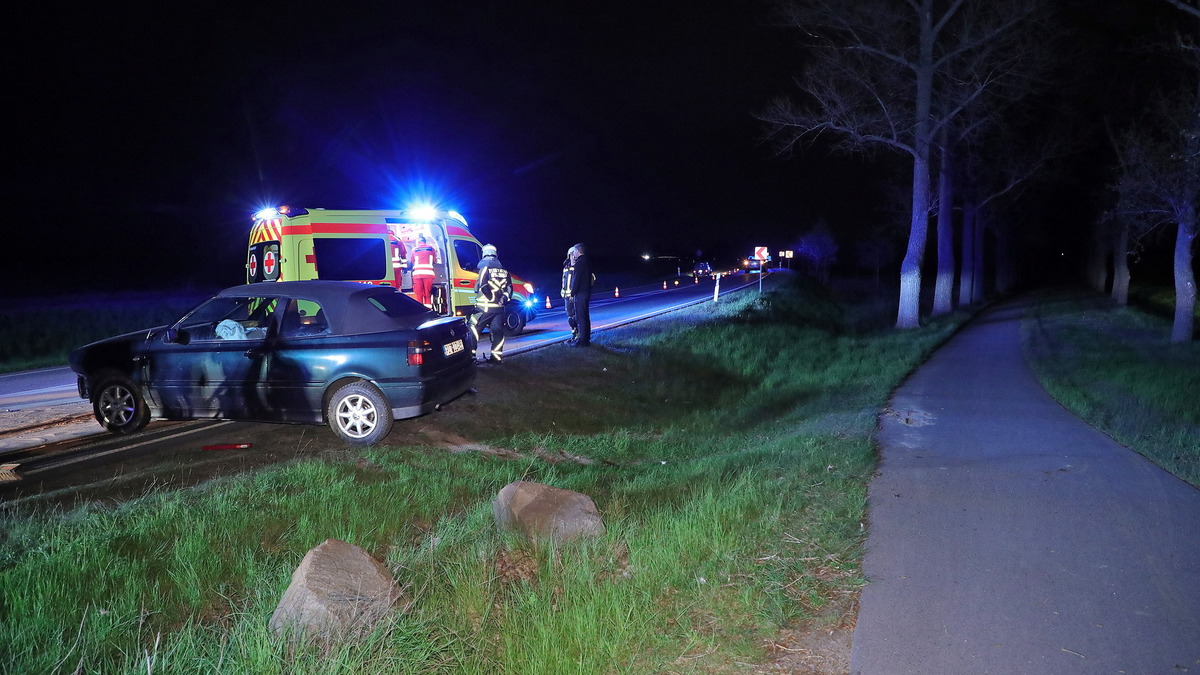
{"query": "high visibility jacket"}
(424, 256)
(494, 287)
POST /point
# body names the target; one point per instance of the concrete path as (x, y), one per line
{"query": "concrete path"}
(1007, 536)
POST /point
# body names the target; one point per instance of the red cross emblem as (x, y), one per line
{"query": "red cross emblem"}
(253, 265)
(269, 263)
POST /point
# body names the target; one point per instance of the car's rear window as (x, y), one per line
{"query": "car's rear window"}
(396, 305)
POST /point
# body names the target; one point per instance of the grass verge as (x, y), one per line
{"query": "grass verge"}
(1116, 368)
(727, 446)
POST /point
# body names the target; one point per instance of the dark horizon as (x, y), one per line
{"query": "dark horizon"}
(144, 140)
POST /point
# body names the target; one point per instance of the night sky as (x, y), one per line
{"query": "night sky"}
(141, 136)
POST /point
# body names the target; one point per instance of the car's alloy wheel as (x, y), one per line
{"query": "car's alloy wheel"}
(359, 413)
(118, 407)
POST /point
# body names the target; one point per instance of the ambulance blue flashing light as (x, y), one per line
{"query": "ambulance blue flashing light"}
(422, 212)
(264, 214)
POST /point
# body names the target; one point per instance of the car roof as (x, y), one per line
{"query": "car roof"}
(345, 303)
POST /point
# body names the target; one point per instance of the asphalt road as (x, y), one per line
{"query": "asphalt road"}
(1007, 536)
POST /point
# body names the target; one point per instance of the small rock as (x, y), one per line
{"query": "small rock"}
(544, 512)
(338, 591)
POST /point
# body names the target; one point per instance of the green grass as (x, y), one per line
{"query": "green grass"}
(1116, 368)
(728, 448)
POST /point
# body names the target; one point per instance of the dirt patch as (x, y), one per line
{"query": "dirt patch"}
(818, 647)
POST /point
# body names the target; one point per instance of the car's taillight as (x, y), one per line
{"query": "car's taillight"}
(416, 352)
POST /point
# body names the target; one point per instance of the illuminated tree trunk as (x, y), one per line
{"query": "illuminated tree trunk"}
(909, 313)
(1185, 277)
(943, 289)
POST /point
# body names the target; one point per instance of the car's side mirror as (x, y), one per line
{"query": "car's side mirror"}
(175, 336)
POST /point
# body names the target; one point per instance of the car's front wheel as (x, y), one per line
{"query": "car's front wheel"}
(359, 413)
(119, 407)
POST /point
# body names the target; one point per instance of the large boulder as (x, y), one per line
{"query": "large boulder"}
(338, 591)
(545, 512)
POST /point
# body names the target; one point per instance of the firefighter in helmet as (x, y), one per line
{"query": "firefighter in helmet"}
(492, 292)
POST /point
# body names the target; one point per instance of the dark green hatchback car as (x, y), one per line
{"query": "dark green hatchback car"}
(350, 355)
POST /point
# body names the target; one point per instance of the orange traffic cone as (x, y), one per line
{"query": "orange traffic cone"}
(695, 280)
(664, 284)
(547, 302)
(616, 291)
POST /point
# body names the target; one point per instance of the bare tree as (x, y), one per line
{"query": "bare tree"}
(1131, 218)
(887, 74)
(1160, 183)
(1189, 7)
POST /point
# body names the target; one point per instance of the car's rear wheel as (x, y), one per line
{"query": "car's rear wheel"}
(359, 413)
(119, 407)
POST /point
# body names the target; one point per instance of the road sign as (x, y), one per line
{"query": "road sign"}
(760, 253)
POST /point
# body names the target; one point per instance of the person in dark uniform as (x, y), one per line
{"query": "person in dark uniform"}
(577, 290)
(492, 292)
(567, 271)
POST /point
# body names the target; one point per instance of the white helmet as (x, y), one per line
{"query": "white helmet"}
(489, 251)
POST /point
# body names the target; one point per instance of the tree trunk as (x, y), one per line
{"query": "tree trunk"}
(943, 289)
(966, 274)
(1120, 286)
(1185, 277)
(909, 313)
(980, 242)
(1097, 267)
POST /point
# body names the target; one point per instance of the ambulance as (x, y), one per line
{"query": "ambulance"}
(373, 247)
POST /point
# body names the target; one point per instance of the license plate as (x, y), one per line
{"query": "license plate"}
(453, 347)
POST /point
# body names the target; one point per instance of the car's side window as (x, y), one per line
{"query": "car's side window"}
(227, 318)
(303, 318)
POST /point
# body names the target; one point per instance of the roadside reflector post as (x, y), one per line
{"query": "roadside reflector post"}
(547, 302)
(664, 284)
(717, 288)
(616, 291)
(695, 278)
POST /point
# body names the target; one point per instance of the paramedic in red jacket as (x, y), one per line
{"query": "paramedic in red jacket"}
(424, 257)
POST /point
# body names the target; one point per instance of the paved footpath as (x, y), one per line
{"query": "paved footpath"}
(1007, 536)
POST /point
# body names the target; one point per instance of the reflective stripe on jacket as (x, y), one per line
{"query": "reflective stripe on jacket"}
(423, 258)
(494, 287)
